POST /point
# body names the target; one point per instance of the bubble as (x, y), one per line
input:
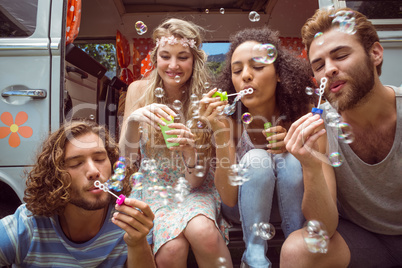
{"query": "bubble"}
(222, 11)
(321, 40)
(316, 237)
(229, 109)
(317, 91)
(344, 21)
(177, 78)
(335, 159)
(345, 133)
(238, 175)
(181, 190)
(194, 99)
(246, 118)
(207, 10)
(140, 130)
(152, 164)
(206, 85)
(159, 92)
(199, 171)
(117, 177)
(264, 230)
(264, 53)
(190, 123)
(163, 193)
(153, 175)
(177, 105)
(333, 119)
(122, 159)
(200, 124)
(136, 180)
(221, 262)
(309, 91)
(253, 16)
(116, 185)
(140, 27)
(119, 167)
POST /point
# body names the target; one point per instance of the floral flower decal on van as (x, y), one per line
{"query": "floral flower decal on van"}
(15, 128)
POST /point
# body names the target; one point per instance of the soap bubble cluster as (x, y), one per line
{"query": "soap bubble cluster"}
(141, 27)
(159, 92)
(264, 53)
(253, 16)
(344, 21)
(238, 175)
(316, 237)
(264, 230)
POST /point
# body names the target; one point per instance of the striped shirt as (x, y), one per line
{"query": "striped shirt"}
(37, 241)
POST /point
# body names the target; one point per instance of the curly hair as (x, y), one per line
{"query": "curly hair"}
(322, 19)
(294, 74)
(195, 85)
(49, 184)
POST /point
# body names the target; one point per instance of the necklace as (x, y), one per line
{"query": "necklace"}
(66, 228)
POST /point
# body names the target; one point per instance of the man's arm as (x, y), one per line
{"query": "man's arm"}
(137, 220)
(306, 140)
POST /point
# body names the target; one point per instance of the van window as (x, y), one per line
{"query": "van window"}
(216, 52)
(18, 18)
(378, 9)
(104, 53)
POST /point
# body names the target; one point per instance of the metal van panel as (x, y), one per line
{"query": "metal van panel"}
(15, 177)
(26, 62)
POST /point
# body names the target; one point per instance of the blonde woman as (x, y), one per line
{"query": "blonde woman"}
(195, 221)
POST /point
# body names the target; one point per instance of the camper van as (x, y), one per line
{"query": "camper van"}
(63, 59)
(74, 59)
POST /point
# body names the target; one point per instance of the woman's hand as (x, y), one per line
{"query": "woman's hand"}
(184, 137)
(152, 114)
(210, 109)
(276, 144)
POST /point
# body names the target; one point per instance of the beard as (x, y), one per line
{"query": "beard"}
(361, 83)
(78, 199)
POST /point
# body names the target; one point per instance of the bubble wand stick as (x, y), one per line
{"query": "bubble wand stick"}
(224, 95)
(323, 84)
(120, 199)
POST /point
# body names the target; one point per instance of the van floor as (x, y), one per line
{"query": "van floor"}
(236, 247)
(236, 253)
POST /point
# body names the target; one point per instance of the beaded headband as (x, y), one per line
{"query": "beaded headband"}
(171, 40)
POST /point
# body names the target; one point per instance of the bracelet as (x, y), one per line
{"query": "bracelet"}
(185, 164)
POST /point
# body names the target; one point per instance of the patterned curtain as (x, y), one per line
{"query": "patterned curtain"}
(141, 57)
(73, 20)
(123, 58)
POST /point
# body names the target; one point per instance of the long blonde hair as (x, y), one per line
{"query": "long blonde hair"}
(195, 85)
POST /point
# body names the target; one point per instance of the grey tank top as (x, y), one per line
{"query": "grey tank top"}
(370, 195)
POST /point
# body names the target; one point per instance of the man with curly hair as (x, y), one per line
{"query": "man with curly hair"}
(66, 220)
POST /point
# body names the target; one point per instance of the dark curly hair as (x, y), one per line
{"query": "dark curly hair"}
(294, 74)
(48, 183)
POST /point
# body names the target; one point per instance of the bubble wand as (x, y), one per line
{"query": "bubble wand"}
(103, 186)
(323, 84)
(224, 95)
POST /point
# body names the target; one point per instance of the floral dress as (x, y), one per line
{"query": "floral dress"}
(172, 217)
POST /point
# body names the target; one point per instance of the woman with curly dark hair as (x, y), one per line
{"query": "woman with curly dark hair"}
(279, 97)
(66, 220)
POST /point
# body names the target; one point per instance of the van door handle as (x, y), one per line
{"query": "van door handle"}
(83, 74)
(34, 93)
